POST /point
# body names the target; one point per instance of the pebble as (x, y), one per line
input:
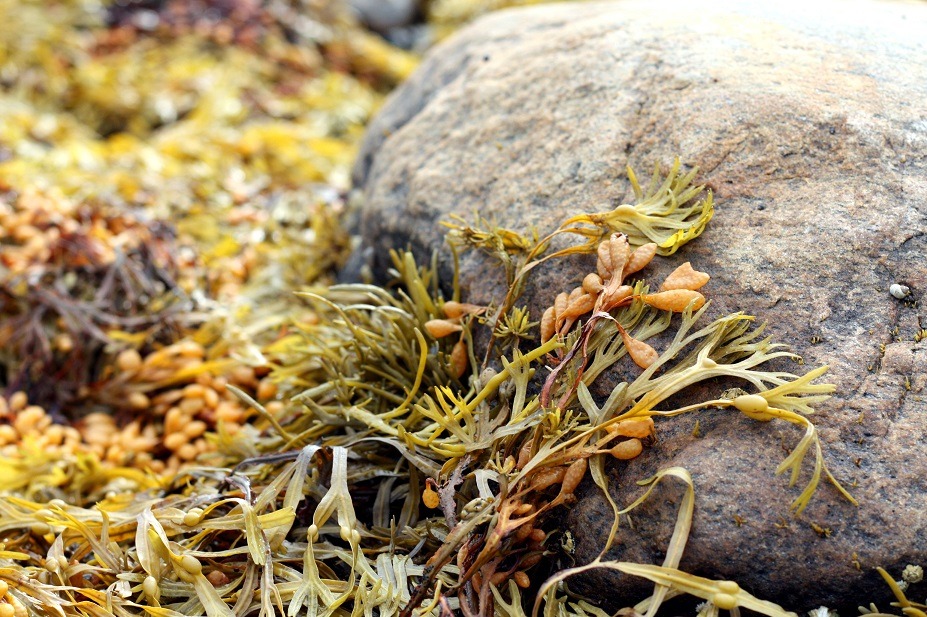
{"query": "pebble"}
(383, 15)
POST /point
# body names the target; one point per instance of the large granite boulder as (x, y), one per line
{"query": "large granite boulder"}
(809, 123)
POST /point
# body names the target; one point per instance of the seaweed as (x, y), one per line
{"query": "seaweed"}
(396, 480)
(211, 443)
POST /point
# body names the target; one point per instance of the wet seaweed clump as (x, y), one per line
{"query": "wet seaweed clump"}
(405, 473)
(78, 277)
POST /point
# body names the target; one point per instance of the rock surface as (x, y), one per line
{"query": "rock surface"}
(809, 122)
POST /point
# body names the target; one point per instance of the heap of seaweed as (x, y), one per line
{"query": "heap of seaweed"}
(405, 474)
(168, 169)
(106, 272)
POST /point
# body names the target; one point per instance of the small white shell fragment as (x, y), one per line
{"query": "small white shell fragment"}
(899, 291)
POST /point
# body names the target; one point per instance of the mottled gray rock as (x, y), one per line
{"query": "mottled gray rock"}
(809, 122)
(383, 15)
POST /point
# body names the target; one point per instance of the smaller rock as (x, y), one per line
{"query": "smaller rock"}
(384, 15)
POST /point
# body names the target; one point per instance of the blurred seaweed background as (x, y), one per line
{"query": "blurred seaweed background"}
(167, 166)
